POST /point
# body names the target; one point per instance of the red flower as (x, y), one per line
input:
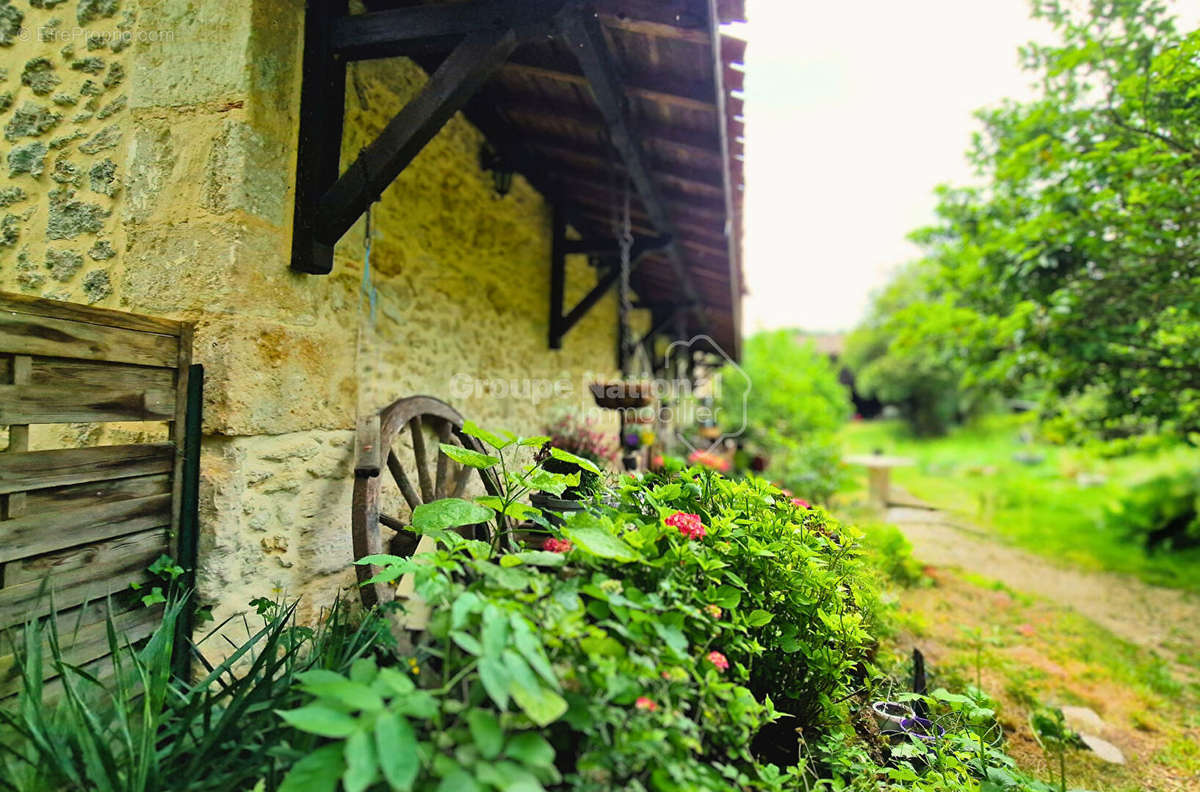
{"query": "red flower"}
(800, 503)
(688, 524)
(713, 611)
(709, 460)
(553, 545)
(718, 659)
(644, 703)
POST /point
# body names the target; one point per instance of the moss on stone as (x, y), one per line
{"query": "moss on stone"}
(10, 230)
(89, 65)
(63, 264)
(89, 10)
(96, 286)
(102, 251)
(64, 172)
(10, 23)
(67, 139)
(29, 274)
(115, 76)
(102, 177)
(39, 76)
(115, 106)
(11, 195)
(90, 88)
(106, 138)
(30, 120)
(27, 158)
(70, 217)
(64, 100)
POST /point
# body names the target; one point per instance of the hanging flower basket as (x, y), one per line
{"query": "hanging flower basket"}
(622, 395)
(710, 432)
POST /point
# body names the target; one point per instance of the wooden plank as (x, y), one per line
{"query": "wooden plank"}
(91, 555)
(37, 469)
(26, 334)
(94, 493)
(93, 582)
(46, 532)
(13, 504)
(55, 309)
(414, 29)
(67, 373)
(84, 645)
(47, 404)
(679, 94)
(179, 431)
(463, 72)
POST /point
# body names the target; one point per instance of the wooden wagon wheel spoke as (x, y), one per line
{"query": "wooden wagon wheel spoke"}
(417, 430)
(392, 522)
(401, 478)
(378, 518)
(439, 485)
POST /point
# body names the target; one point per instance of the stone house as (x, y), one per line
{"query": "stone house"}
(151, 155)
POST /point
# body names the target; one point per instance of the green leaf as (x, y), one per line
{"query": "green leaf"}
(396, 682)
(486, 732)
(316, 719)
(418, 704)
(472, 429)
(537, 441)
(465, 456)
(396, 745)
(566, 456)
(495, 631)
(328, 684)
(317, 772)
(595, 535)
(468, 643)
(530, 749)
(361, 765)
(449, 513)
(727, 597)
(533, 558)
(543, 706)
(495, 678)
(758, 618)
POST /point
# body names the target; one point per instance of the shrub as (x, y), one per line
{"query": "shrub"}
(1162, 512)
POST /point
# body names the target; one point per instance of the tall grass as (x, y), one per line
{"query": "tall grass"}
(138, 729)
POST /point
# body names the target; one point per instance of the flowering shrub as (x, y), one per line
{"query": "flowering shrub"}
(709, 460)
(644, 646)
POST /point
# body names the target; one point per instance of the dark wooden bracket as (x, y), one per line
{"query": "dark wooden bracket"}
(560, 323)
(328, 202)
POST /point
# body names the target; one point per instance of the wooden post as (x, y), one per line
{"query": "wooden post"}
(879, 484)
(13, 504)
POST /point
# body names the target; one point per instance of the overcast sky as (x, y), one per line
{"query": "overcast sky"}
(855, 111)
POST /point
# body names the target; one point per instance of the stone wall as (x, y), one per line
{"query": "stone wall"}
(151, 152)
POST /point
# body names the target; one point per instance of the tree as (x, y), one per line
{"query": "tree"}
(1077, 266)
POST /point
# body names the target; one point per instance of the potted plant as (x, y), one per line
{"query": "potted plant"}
(584, 437)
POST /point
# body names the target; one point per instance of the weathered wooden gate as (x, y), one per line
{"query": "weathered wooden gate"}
(78, 525)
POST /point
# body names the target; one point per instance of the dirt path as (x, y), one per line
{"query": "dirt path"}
(1160, 619)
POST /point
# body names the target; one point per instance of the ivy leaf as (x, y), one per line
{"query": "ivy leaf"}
(449, 513)
(396, 744)
(316, 719)
(486, 732)
(317, 772)
(465, 456)
(567, 456)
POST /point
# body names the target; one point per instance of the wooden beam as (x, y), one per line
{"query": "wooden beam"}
(595, 156)
(423, 28)
(466, 69)
(678, 14)
(678, 94)
(723, 49)
(521, 107)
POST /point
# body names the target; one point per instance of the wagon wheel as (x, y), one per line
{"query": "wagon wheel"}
(404, 470)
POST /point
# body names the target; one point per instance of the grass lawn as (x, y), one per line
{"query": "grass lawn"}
(1047, 499)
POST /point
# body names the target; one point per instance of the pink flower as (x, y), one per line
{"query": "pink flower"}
(713, 611)
(644, 703)
(709, 460)
(718, 659)
(800, 503)
(553, 545)
(688, 524)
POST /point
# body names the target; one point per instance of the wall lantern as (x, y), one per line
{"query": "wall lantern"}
(502, 174)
